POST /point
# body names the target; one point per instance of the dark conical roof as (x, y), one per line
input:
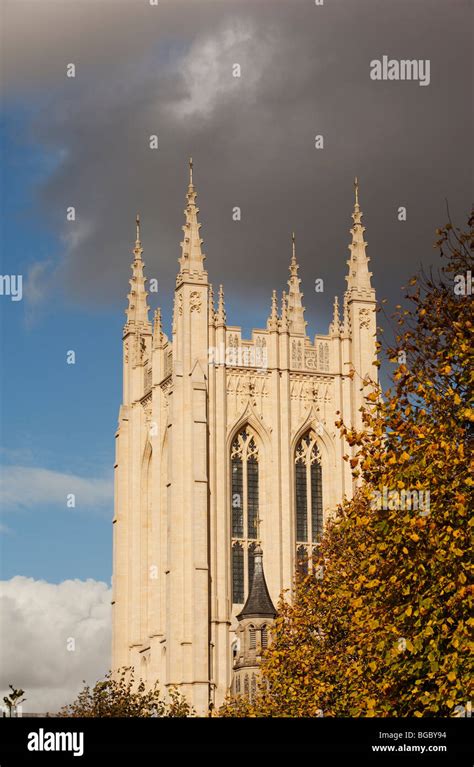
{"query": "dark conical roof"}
(259, 603)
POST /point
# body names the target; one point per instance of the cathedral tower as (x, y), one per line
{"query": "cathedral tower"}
(226, 446)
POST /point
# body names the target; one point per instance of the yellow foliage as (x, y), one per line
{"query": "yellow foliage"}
(397, 644)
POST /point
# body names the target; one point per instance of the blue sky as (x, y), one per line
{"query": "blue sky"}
(305, 71)
(51, 411)
(56, 417)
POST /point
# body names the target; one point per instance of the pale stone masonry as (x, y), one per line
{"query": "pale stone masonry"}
(223, 444)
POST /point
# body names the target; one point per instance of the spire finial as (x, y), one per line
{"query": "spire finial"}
(192, 258)
(212, 313)
(346, 319)
(138, 250)
(358, 279)
(295, 307)
(293, 264)
(284, 312)
(335, 324)
(220, 314)
(272, 322)
(137, 311)
(157, 329)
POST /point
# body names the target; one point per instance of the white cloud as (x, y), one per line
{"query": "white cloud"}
(38, 619)
(207, 69)
(76, 237)
(38, 282)
(42, 277)
(39, 285)
(25, 486)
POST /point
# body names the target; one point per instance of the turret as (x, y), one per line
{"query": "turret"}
(255, 621)
(359, 324)
(187, 642)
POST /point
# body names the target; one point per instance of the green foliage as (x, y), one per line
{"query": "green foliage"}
(120, 695)
(386, 631)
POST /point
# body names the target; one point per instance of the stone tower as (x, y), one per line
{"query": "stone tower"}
(224, 444)
(253, 633)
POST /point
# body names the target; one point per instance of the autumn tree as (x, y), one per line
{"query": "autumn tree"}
(121, 696)
(385, 630)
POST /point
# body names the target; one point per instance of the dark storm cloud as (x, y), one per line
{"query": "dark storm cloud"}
(305, 70)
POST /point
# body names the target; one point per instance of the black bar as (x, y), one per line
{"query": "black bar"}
(446, 741)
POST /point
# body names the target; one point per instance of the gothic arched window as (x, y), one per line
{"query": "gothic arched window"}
(245, 506)
(308, 499)
(253, 638)
(235, 649)
(264, 639)
(251, 564)
(237, 573)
